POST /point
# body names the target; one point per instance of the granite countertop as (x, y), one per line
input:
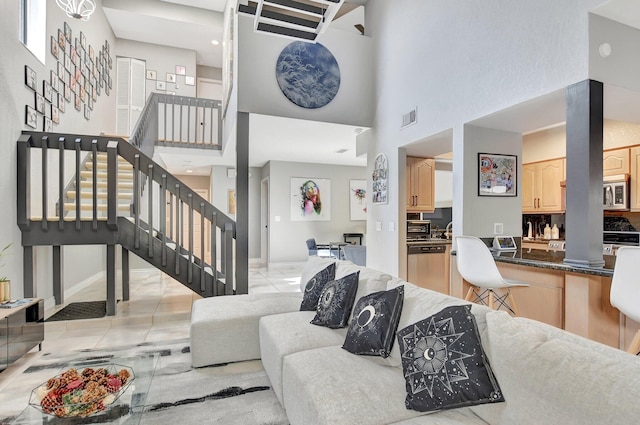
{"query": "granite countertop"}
(552, 260)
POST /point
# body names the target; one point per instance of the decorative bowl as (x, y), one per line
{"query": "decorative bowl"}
(82, 391)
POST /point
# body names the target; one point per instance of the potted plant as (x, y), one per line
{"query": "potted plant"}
(5, 284)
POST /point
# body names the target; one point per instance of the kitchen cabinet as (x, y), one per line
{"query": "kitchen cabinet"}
(541, 190)
(615, 162)
(420, 184)
(634, 203)
(430, 268)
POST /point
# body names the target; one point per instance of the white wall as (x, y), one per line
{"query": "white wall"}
(287, 238)
(163, 60)
(14, 96)
(259, 91)
(458, 61)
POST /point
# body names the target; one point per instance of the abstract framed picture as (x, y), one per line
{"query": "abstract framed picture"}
(357, 200)
(231, 201)
(379, 180)
(310, 199)
(497, 174)
(181, 70)
(190, 80)
(30, 77)
(48, 125)
(55, 47)
(39, 103)
(151, 75)
(171, 78)
(161, 85)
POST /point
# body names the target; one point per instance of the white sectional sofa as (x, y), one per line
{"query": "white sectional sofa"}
(547, 376)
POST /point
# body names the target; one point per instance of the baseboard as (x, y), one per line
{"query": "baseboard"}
(50, 303)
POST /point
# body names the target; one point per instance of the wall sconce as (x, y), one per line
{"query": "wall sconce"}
(78, 9)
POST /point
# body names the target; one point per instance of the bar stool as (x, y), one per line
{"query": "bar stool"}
(477, 266)
(624, 293)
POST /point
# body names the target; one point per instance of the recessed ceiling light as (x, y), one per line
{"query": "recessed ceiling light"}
(189, 171)
(215, 42)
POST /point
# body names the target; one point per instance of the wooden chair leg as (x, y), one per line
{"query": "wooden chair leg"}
(512, 303)
(491, 298)
(470, 294)
(634, 348)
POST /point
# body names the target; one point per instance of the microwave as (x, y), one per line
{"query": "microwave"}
(615, 193)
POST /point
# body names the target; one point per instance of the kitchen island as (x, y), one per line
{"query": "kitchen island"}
(572, 298)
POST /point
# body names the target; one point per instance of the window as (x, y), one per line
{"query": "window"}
(33, 26)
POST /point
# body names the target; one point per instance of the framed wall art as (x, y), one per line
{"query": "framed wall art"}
(497, 174)
(310, 199)
(30, 77)
(380, 180)
(357, 200)
(151, 75)
(231, 201)
(181, 70)
(31, 117)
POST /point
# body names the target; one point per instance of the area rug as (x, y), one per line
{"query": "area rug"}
(80, 310)
(231, 394)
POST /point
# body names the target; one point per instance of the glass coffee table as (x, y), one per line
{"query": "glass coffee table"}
(127, 409)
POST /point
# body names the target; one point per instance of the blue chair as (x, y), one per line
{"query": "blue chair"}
(357, 254)
(312, 247)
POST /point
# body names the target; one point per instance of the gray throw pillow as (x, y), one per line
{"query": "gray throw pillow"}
(374, 323)
(336, 302)
(314, 287)
(444, 364)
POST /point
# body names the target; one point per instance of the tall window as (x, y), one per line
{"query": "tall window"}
(33, 26)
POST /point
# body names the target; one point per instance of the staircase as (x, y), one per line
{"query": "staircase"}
(118, 195)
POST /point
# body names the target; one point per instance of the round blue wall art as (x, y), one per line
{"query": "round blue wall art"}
(308, 74)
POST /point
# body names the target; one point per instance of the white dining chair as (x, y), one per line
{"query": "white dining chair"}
(625, 293)
(477, 266)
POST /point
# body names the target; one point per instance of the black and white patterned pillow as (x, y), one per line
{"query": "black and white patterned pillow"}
(374, 323)
(314, 287)
(336, 302)
(444, 364)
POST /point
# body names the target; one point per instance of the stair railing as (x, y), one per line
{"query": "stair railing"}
(178, 121)
(97, 230)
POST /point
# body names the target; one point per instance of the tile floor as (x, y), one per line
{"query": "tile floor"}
(159, 309)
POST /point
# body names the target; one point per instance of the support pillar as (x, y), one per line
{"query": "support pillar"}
(58, 275)
(111, 280)
(28, 281)
(125, 274)
(585, 121)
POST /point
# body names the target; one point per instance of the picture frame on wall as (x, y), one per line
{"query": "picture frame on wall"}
(67, 32)
(190, 80)
(31, 117)
(151, 75)
(171, 78)
(161, 85)
(55, 47)
(497, 175)
(357, 200)
(380, 184)
(30, 77)
(83, 40)
(39, 103)
(181, 70)
(87, 112)
(61, 102)
(46, 90)
(54, 80)
(231, 201)
(310, 199)
(55, 115)
(48, 125)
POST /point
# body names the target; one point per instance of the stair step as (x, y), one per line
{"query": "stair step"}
(71, 206)
(103, 184)
(88, 194)
(102, 165)
(102, 175)
(102, 156)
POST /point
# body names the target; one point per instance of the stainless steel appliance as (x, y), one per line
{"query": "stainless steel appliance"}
(418, 230)
(615, 193)
(614, 240)
(428, 265)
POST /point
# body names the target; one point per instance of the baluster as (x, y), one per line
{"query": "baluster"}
(171, 217)
(204, 120)
(94, 179)
(112, 184)
(163, 219)
(202, 248)
(136, 200)
(78, 183)
(45, 145)
(214, 258)
(219, 140)
(189, 122)
(190, 269)
(150, 207)
(178, 228)
(181, 107)
(61, 183)
(195, 127)
(173, 120)
(164, 104)
(227, 248)
(211, 126)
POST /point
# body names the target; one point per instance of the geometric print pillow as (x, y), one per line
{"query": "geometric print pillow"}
(444, 364)
(336, 302)
(375, 320)
(314, 287)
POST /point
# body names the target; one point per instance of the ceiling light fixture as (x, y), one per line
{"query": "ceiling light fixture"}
(215, 42)
(78, 9)
(189, 171)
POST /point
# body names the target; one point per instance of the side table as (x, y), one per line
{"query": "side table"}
(21, 329)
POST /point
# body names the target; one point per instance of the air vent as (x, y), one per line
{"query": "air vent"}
(410, 118)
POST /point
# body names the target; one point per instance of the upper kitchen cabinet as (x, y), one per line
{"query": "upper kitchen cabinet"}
(420, 184)
(615, 162)
(541, 190)
(634, 203)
